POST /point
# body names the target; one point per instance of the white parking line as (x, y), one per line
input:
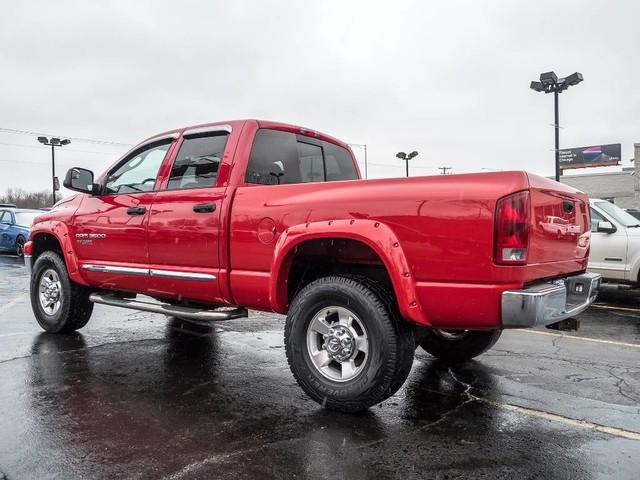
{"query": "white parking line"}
(575, 337)
(10, 304)
(613, 307)
(618, 432)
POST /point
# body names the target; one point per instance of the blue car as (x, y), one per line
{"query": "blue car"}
(15, 224)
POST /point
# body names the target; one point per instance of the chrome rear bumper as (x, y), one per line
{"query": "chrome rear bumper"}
(549, 302)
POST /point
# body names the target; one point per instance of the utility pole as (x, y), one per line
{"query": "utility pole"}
(363, 146)
(365, 162)
(556, 127)
(54, 142)
(444, 170)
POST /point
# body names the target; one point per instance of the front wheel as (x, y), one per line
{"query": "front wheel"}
(20, 241)
(457, 346)
(59, 304)
(345, 343)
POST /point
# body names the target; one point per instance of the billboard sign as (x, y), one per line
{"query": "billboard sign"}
(593, 156)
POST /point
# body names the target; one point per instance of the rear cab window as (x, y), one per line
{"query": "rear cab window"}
(280, 158)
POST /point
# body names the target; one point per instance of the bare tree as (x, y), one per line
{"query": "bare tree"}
(24, 199)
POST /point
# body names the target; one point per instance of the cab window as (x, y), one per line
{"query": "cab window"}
(197, 162)
(137, 173)
(5, 217)
(279, 157)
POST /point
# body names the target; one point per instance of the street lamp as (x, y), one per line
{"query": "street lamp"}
(550, 83)
(54, 142)
(406, 158)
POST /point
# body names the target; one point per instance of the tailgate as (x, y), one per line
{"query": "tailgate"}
(561, 222)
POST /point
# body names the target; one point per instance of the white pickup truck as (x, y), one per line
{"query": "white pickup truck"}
(559, 227)
(615, 243)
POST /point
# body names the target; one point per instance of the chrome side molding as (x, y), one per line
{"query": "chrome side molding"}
(181, 275)
(152, 272)
(116, 269)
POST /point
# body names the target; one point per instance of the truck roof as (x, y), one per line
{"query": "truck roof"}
(261, 124)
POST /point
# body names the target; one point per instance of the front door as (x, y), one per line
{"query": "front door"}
(608, 252)
(184, 226)
(110, 229)
(6, 220)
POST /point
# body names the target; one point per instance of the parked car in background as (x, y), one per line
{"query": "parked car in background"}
(633, 211)
(615, 243)
(15, 225)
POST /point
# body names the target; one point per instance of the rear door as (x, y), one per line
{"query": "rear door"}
(110, 229)
(185, 225)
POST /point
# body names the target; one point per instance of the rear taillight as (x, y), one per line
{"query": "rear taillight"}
(512, 229)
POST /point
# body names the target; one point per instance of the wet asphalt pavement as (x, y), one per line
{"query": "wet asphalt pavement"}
(136, 395)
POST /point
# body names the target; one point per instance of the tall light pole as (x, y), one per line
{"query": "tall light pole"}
(54, 142)
(406, 158)
(550, 83)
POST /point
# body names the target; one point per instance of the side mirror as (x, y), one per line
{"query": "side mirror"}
(80, 180)
(606, 227)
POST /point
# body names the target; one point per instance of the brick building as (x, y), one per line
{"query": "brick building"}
(622, 188)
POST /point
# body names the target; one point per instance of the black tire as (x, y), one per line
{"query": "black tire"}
(390, 342)
(74, 309)
(20, 241)
(458, 347)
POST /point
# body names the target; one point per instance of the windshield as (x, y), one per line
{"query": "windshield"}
(26, 218)
(618, 214)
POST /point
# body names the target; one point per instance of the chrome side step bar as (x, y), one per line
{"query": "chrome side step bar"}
(168, 309)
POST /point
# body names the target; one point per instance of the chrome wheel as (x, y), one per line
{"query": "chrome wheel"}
(50, 292)
(451, 335)
(337, 344)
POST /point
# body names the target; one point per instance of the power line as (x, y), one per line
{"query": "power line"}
(77, 139)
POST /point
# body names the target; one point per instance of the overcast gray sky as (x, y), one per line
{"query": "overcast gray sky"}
(449, 79)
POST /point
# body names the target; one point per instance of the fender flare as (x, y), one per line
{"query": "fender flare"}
(376, 235)
(60, 232)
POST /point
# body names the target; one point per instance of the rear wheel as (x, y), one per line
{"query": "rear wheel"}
(59, 304)
(456, 346)
(345, 343)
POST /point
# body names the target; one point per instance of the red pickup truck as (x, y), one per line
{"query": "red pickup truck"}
(211, 220)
